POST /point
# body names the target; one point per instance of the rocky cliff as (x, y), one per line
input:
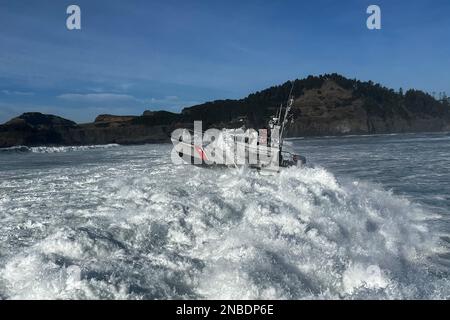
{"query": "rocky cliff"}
(324, 105)
(36, 129)
(333, 105)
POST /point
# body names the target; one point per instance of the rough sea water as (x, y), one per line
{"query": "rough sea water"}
(368, 218)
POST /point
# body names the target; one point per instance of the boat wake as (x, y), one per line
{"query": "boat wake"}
(187, 232)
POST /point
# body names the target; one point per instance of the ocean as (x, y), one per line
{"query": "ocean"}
(367, 218)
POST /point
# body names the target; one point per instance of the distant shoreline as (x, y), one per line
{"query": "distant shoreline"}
(327, 105)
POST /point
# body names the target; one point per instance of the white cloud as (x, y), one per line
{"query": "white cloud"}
(17, 93)
(97, 97)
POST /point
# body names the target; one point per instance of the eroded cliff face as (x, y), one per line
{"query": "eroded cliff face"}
(328, 110)
(36, 129)
(325, 105)
(333, 110)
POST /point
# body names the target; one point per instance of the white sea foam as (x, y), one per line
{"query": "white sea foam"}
(71, 148)
(137, 229)
(42, 149)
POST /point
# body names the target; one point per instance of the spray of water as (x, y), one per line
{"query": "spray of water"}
(152, 232)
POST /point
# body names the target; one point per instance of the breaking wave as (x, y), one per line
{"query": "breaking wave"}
(136, 231)
(25, 149)
(71, 148)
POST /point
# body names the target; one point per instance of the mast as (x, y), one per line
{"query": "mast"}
(278, 116)
(286, 113)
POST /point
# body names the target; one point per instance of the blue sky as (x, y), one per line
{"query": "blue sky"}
(135, 55)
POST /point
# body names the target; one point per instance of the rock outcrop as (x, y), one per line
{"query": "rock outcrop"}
(36, 129)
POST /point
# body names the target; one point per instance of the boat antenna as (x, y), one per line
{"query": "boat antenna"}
(292, 88)
(279, 112)
(288, 108)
